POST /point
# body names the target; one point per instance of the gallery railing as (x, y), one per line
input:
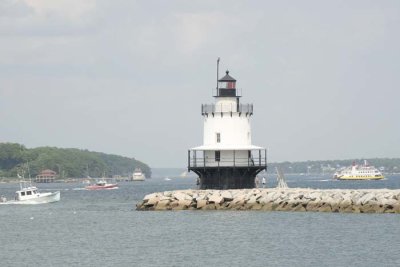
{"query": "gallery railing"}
(257, 159)
(226, 108)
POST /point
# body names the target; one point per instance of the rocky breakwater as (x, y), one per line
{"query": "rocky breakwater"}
(274, 199)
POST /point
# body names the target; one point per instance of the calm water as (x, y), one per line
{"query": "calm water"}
(102, 228)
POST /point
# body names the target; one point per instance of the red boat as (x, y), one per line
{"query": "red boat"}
(101, 185)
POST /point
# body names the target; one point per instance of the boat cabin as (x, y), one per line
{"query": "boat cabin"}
(26, 193)
(101, 183)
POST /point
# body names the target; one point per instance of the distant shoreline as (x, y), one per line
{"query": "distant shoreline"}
(14, 180)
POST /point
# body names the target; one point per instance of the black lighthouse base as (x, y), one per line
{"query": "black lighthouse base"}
(227, 177)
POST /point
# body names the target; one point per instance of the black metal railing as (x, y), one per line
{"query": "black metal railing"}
(258, 158)
(226, 108)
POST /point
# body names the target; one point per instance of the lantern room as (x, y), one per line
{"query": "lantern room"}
(226, 86)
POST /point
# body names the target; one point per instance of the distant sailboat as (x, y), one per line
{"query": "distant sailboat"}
(280, 178)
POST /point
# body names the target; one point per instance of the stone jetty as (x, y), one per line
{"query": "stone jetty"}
(277, 199)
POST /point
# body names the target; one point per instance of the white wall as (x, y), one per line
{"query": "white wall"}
(234, 131)
(226, 104)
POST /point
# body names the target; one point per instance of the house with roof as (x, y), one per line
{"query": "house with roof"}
(46, 176)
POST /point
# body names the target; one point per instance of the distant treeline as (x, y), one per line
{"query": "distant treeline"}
(67, 162)
(329, 166)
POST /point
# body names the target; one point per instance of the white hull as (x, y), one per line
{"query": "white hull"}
(41, 198)
(138, 178)
(138, 175)
(355, 177)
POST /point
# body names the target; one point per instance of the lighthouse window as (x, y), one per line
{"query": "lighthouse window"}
(218, 137)
(217, 155)
(222, 84)
(231, 85)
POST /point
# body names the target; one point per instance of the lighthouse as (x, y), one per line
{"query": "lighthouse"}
(227, 159)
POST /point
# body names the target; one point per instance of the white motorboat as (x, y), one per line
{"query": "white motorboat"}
(29, 194)
(138, 175)
(102, 184)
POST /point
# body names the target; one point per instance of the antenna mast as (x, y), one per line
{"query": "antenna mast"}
(217, 73)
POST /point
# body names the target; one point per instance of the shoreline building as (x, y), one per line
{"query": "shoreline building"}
(227, 159)
(46, 176)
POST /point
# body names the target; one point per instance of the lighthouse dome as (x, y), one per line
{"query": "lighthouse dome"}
(227, 78)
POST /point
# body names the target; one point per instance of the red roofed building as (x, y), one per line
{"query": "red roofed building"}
(46, 176)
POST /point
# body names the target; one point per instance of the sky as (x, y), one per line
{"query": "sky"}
(129, 77)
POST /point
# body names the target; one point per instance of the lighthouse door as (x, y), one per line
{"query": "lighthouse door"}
(218, 156)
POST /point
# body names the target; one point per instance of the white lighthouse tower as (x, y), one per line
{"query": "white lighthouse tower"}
(227, 159)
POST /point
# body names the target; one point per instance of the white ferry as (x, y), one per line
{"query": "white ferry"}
(359, 172)
(138, 175)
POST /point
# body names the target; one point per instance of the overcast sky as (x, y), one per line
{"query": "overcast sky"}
(128, 77)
